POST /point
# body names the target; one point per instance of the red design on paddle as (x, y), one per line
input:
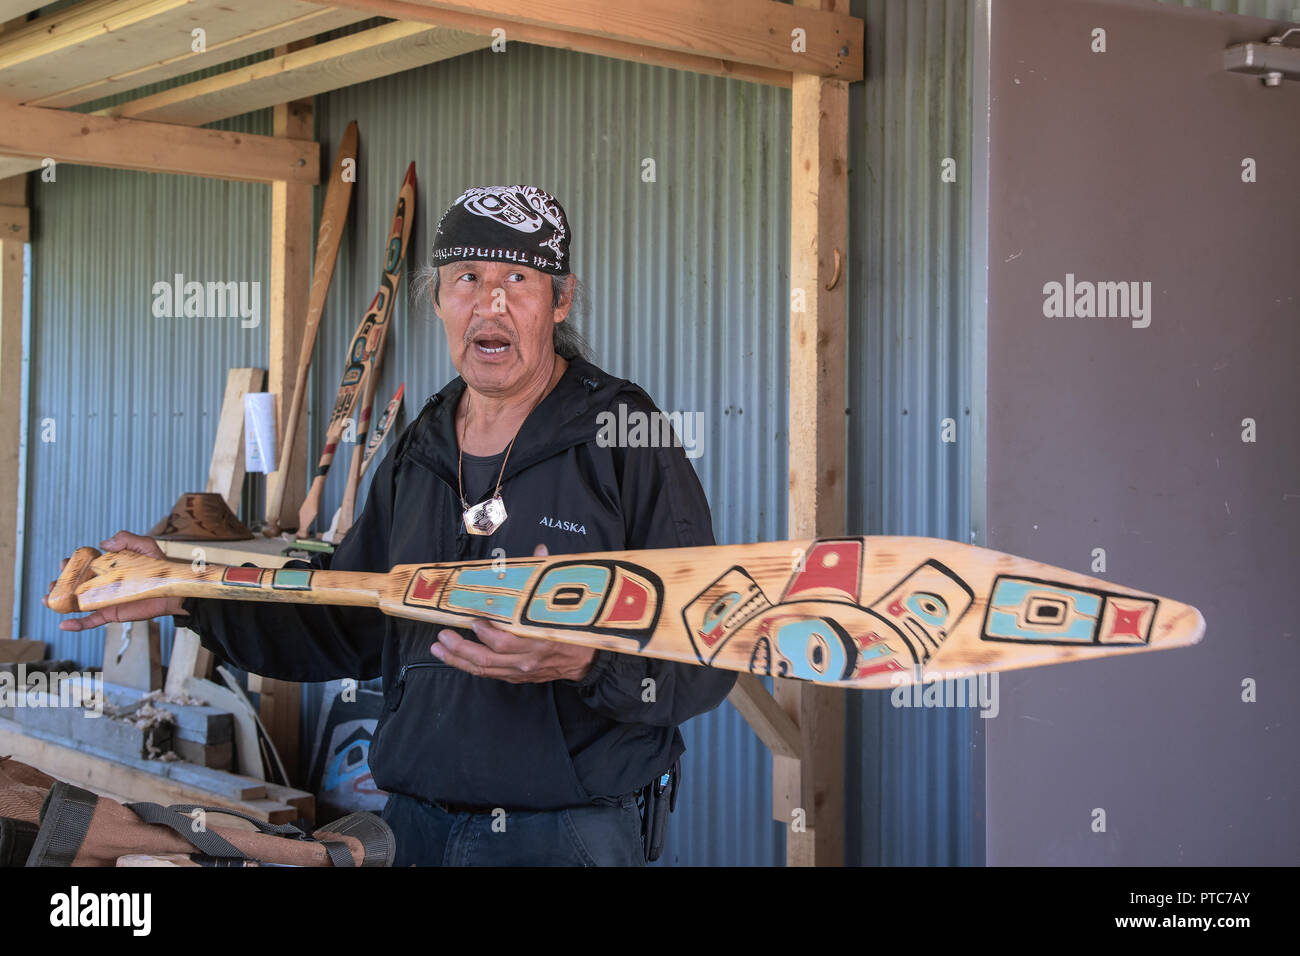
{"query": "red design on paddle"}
(630, 602)
(424, 588)
(829, 565)
(1128, 622)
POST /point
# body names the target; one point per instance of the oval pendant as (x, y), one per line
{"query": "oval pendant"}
(486, 516)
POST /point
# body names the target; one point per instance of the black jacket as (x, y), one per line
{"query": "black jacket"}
(449, 736)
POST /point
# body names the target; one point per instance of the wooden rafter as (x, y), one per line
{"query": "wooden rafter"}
(749, 39)
(13, 194)
(101, 47)
(37, 133)
(357, 58)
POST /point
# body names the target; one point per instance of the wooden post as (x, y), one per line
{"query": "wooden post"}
(291, 245)
(13, 198)
(818, 346)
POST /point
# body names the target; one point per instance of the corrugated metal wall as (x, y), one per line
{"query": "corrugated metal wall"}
(688, 279)
(914, 774)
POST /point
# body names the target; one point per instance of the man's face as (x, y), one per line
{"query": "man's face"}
(499, 321)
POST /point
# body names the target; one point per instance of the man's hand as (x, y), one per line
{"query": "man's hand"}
(133, 610)
(516, 660)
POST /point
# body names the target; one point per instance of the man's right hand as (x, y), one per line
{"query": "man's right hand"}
(133, 610)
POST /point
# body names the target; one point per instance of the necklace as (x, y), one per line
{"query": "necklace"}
(490, 514)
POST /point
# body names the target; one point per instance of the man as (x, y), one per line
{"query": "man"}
(496, 749)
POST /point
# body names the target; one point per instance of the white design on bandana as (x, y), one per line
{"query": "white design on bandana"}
(522, 208)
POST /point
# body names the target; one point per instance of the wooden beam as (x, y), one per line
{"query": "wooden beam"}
(11, 368)
(772, 724)
(357, 58)
(73, 26)
(155, 147)
(15, 223)
(818, 351)
(254, 40)
(745, 39)
(140, 780)
(14, 167)
(291, 245)
(103, 47)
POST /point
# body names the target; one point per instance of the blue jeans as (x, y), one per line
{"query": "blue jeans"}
(604, 834)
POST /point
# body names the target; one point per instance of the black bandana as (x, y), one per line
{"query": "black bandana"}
(521, 224)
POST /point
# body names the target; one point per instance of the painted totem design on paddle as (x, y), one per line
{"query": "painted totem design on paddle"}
(821, 630)
(613, 597)
(275, 579)
(1031, 611)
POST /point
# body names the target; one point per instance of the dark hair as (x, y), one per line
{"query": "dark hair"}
(567, 341)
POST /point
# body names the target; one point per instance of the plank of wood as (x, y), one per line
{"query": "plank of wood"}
(292, 398)
(165, 783)
(35, 132)
(263, 552)
(11, 363)
(133, 655)
(597, 46)
(357, 58)
(215, 756)
(290, 290)
(189, 659)
(849, 612)
(98, 48)
(12, 167)
(300, 800)
(280, 713)
(132, 70)
(755, 32)
(15, 223)
(226, 472)
(765, 716)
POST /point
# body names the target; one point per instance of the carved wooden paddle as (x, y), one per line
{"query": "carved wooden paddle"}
(858, 612)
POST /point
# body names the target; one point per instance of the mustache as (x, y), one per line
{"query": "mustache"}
(475, 331)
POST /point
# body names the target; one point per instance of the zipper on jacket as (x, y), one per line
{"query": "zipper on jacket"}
(401, 680)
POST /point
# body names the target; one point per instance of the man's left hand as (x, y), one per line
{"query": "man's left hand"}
(516, 660)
